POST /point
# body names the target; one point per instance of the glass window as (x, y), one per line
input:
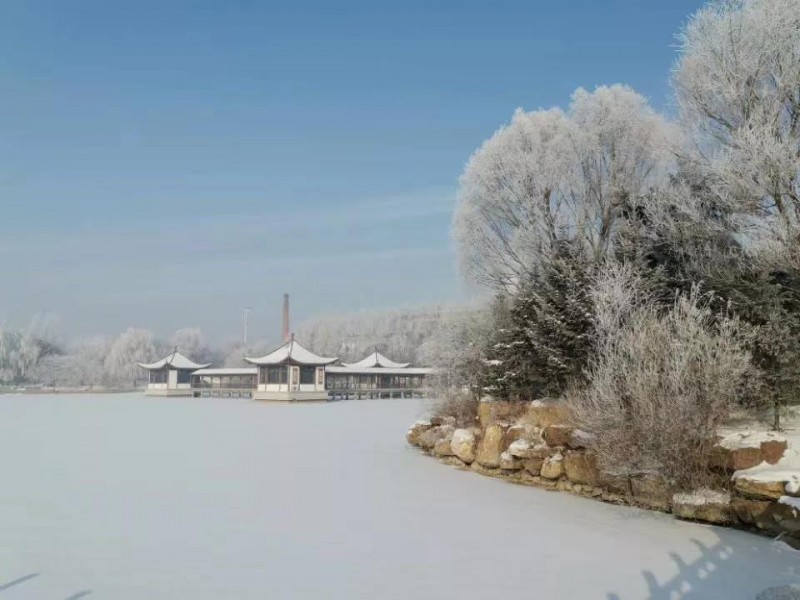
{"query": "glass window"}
(277, 374)
(184, 376)
(159, 376)
(308, 375)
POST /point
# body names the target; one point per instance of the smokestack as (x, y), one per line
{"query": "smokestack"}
(285, 332)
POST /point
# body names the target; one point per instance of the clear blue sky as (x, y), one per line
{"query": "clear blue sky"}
(165, 163)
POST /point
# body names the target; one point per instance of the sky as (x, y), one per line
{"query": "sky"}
(167, 163)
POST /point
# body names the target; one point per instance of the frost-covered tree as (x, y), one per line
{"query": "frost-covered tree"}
(546, 337)
(551, 176)
(738, 88)
(398, 334)
(131, 347)
(191, 343)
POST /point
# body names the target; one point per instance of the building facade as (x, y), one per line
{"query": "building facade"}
(291, 373)
(171, 376)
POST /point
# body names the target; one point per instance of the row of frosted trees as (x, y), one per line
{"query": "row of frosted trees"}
(645, 269)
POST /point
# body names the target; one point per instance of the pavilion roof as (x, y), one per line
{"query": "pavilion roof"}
(376, 360)
(176, 360)
(291, 352)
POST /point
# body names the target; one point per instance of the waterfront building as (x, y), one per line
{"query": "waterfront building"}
(171, 376)
(291, 372)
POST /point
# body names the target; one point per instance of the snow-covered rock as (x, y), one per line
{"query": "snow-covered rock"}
(527, 449)
(510, 462)
(464, 444)
(416, 430)
(704, 504)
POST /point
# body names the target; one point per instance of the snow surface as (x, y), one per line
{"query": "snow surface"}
(127, 497)
(787, 469)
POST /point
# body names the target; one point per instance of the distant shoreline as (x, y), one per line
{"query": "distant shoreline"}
(70, 390)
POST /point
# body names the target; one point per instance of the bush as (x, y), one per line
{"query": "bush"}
(464, 407)
(661, 383)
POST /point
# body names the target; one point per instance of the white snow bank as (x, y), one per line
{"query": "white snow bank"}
(786, 470)
(749, 438)
(790, 501)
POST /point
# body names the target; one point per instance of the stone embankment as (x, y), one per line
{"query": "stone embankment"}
(536, 445)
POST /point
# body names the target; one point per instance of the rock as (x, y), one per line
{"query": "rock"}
(736, 459)
(533, 465)
(543, 413)
(579, 440)
(428, 439)
(705, 505)
(557, 435)
(783, 592)
(416, 430)
(491, 411)
(443, 420)
(444, 446)
(509, 462)
(651, 492)
(580, 467)
(464, 444)
(491, 446)
(750, 512)
(760, 490)
(553, 467)
(773, 450)
(526, 449)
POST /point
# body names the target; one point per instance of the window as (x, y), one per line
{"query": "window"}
(277, 374)
(159, 376)
(308, 375)
(184, 376)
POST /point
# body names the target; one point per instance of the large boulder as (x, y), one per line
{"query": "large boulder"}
(544, 413)
(490, 411)
(773, 450)
(491, 446)
(760, 490)
(557, 435)
(651, 492)
(443, 446)
(580, 467)
(430, 438)
(579, 440)
(553, 467)
(705, 505)
(464, 444)
(736, 459)
(751, 512)
(527, 449)
(416, 430)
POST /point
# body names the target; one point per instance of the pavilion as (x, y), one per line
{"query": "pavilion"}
(376, 376)
(291, 373)
(171, 376)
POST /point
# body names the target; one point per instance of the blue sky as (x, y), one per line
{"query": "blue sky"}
(163, 164)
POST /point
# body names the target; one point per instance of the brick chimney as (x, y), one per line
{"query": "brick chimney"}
(285, 333)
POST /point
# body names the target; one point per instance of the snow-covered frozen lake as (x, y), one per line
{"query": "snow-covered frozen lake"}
(127, 497)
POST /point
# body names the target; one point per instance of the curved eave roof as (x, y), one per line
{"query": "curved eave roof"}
(381, 371)
(176, 360)
(376, 360)
(291, 352)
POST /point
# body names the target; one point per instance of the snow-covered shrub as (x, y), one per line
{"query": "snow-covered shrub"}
(660, 383)
(462, 406)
